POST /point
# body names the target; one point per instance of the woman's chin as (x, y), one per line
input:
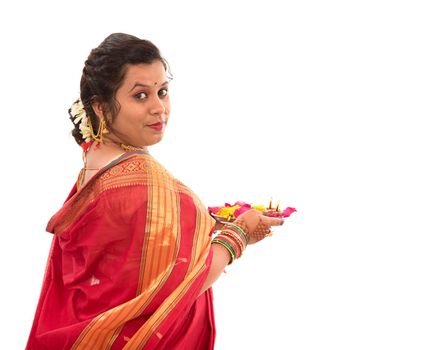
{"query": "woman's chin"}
(153, 140)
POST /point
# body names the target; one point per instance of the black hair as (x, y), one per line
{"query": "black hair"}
(104, 71)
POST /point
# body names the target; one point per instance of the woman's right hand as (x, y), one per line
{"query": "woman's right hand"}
(256, 226)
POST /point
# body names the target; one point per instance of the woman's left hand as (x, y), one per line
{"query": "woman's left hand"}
(256, 225)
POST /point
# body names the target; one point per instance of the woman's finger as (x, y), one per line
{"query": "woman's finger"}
(272, 221)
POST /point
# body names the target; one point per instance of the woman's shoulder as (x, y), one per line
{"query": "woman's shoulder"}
(134, 169)
(128, 169)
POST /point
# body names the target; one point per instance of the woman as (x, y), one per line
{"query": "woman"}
(132, 259)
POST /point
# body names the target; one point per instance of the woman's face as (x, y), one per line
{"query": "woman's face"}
(144, 105)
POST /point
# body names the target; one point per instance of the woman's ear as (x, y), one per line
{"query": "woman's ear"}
(97, 108)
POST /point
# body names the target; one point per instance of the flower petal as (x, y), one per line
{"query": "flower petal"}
(242, 209)
(259, 207)
(228, 211)
(241, 203)
(214, 210)
(286, 212)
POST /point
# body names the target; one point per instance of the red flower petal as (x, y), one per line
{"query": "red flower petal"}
(86, 145)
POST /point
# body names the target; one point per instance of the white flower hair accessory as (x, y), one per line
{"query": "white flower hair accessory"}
(78, 115)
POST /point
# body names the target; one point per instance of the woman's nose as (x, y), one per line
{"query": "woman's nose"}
(157, 107)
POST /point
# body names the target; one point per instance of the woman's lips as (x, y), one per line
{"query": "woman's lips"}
(157, 126)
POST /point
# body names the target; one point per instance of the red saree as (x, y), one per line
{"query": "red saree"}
(130, 254)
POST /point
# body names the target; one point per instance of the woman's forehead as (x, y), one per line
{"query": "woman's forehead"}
(148, 74)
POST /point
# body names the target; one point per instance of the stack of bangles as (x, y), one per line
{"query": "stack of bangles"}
(234, 239)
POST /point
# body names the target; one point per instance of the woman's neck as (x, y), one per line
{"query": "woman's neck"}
(101, 154)
(114, 141)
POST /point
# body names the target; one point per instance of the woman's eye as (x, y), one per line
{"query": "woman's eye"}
(141, 95)
(163, 92)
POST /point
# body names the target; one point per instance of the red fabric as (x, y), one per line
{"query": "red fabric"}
(95, 264)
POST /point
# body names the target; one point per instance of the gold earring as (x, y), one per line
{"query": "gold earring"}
(100, 132)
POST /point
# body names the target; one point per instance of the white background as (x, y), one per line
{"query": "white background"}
(320, 104)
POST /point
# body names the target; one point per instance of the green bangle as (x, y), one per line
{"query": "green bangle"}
(227, 245)
(228, 248)
(240, 230)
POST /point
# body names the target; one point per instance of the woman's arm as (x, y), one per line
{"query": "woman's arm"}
(220, 260)
(252, 222)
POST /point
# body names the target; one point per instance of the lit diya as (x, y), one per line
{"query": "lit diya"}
(229, 213)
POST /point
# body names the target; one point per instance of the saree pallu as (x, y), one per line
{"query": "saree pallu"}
(129, 257)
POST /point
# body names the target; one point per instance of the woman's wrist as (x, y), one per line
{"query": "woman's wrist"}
(233, 239)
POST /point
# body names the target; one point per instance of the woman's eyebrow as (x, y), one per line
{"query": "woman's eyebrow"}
(147, 85)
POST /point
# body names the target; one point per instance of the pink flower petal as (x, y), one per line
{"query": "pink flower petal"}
(272, 213)
(214, 210)
(241, 210)
(241, 203)
(286, 212)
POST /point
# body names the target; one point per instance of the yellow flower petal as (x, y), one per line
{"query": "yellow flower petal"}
(259, 207)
